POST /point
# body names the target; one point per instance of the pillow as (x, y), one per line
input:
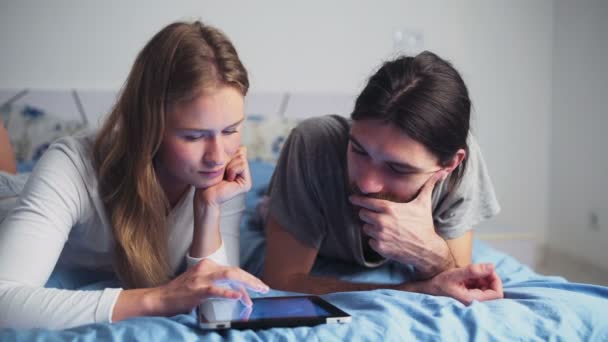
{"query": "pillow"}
(10, 188)
(31, 130)
(264, 136)
(261, 172)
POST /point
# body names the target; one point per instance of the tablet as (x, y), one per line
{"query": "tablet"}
(269, 312)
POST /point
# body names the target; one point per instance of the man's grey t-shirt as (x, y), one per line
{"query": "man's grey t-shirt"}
(309, 193)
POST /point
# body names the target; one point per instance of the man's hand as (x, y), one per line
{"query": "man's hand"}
(405, 232)
(465, 284)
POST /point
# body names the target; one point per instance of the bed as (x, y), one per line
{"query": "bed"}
(535, 307)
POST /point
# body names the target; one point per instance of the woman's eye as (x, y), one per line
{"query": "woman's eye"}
(230, 132)
(192, 137)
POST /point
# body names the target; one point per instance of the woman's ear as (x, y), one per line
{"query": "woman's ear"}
(456, 160)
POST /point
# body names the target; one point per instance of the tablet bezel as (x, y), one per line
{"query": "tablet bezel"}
(336, 315)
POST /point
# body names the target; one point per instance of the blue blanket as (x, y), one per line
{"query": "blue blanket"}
(535, 307)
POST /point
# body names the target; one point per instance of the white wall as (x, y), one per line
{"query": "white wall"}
(502, 48)
(579, 159)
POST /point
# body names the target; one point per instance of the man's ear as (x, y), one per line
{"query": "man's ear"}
(456, 160)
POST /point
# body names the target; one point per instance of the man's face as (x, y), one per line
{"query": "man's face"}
(383, 162)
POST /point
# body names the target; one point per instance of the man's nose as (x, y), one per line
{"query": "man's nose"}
(370, 181)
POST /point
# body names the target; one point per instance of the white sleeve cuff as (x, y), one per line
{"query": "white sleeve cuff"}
(105, 308)
(219, 257)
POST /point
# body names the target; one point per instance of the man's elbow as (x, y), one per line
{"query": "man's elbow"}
(283, 282)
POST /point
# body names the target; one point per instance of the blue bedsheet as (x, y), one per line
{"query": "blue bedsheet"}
(536, 308)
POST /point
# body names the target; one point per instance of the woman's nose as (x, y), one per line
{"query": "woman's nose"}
(214, 153)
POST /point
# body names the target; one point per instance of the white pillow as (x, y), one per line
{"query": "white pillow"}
(264, 136)
(10, 188)
(31, 130)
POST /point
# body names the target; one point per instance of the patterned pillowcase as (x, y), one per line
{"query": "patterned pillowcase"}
(31, 130)
(264, 136)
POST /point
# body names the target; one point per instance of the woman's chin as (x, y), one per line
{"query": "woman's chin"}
(207, 183)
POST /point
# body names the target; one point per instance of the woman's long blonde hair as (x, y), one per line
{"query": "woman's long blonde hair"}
(178, 64)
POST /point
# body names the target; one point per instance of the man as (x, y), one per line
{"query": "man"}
(403, 181)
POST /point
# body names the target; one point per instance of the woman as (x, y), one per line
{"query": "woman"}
(147, 194)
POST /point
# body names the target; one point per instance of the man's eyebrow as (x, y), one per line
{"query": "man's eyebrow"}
(397, 164)
(355, 141)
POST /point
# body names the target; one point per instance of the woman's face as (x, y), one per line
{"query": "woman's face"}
(201, 137)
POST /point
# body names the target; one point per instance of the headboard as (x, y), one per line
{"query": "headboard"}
(35, 117)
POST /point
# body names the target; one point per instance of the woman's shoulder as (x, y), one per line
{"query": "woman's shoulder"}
(78, 143)
(78, 148)
(72, 155)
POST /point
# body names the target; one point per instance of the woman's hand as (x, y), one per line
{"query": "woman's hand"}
(237, 180)
(204, 280)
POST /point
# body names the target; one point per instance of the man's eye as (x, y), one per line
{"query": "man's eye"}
(400, 172)
(357, 151)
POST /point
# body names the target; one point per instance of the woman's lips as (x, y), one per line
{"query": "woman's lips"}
(212, 174)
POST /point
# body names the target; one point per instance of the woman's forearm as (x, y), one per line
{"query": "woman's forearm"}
(135, 303)
(206, 237)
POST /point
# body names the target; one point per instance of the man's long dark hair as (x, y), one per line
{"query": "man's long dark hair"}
(425, 97)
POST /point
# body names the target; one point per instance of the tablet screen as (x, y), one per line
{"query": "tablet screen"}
(287, 309)
(264, 308)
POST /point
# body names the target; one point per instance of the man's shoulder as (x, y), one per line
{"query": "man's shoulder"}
(324, 124)
(323, 130)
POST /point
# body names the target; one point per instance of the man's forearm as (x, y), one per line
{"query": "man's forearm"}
(321, 285)
(436, 259)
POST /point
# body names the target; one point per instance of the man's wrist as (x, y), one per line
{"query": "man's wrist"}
(420, 286)
(438, 258)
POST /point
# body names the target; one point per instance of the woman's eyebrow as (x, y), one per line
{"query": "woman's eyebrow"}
(199, 130)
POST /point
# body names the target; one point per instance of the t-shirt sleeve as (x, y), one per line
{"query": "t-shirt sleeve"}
(294, 201)
(473, 200)
(31, 239)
